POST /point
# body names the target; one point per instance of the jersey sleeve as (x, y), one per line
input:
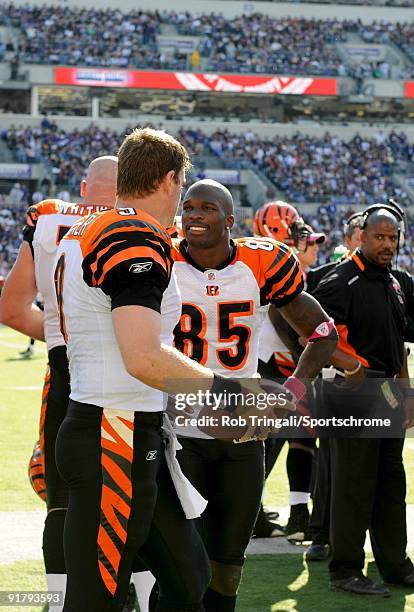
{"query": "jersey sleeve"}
(283, 278)
(129, 263)
(32, 215)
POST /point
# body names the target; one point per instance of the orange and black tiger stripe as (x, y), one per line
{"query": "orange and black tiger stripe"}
(117, 433)
(45, 398)
(46, 207)
(259, 222)
(36, 472)
(283, 277)
(284, 363)
(112, 240)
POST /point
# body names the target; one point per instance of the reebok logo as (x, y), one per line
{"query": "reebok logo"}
(152, 455)
(137, 268)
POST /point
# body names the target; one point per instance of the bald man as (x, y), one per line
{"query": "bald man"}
(46, 224)
(369, 307)
(225, 285)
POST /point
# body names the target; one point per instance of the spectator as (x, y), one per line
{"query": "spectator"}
(16, 196)
(246, 43)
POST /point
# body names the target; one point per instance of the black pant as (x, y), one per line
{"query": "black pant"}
(230, 476)
(54, 407)
(368, 492)
(320, 518)
(55, 400)
(122, 503)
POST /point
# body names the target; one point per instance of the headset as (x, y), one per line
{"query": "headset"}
(396, 210)
(401, 211)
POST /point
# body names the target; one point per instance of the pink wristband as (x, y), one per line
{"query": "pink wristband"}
(296, 388)
(322, 331)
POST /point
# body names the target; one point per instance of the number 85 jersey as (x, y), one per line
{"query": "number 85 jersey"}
(223, 309)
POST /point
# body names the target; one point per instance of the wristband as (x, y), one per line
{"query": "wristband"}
(352, 372)
(407, 391)
(230, 390)
(296, 387)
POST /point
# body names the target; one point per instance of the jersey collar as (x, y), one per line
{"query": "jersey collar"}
(184, 252)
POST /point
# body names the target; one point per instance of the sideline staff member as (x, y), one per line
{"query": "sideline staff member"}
(368, 477)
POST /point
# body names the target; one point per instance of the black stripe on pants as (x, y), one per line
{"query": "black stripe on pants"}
(102, 538)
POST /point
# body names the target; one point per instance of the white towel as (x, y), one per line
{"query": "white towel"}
(192, 502)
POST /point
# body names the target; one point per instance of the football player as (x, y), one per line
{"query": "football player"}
(112, 274)
(46, 224)
(226, 286)
(278, 353)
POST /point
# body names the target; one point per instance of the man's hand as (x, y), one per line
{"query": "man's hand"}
(409, 412)
(260, 403)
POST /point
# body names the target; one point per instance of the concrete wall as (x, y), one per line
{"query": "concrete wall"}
(230, 8)
(262, 129)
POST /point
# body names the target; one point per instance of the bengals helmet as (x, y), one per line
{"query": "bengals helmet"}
(37, 472)
(276, 220)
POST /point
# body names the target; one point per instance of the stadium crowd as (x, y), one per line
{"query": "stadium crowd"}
(91, 37)
(303, 168)
(248, 43)
(328, 219)
(296, 46)
(326, 170)
(310, 169)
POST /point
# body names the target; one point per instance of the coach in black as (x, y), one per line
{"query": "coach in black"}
(368, 478)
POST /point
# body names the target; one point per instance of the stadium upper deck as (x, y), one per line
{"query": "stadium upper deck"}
(246, 43)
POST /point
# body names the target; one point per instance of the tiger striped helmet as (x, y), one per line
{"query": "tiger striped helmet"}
(274, 220)
(37, 472)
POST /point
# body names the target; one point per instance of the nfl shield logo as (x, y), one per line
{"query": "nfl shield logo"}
(211, 276)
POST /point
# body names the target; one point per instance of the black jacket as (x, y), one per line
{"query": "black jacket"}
(369, 306)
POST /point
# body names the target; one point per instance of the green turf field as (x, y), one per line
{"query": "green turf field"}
(272, 583)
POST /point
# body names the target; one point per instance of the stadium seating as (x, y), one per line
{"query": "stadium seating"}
(249, 43)
(325, 170)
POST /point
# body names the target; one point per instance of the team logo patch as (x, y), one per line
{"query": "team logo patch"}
(152, 455)
(212, 290)
(137, 268)
(322, 329)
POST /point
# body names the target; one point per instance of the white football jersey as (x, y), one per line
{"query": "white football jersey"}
(120, 247)
(223, 310)
(269, 341)
(46, 224)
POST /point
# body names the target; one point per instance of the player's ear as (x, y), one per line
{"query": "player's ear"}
(83, 188)
(169, 181)
(229, 221)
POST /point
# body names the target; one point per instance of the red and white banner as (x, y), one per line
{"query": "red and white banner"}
(192, 81)
(409, 89)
